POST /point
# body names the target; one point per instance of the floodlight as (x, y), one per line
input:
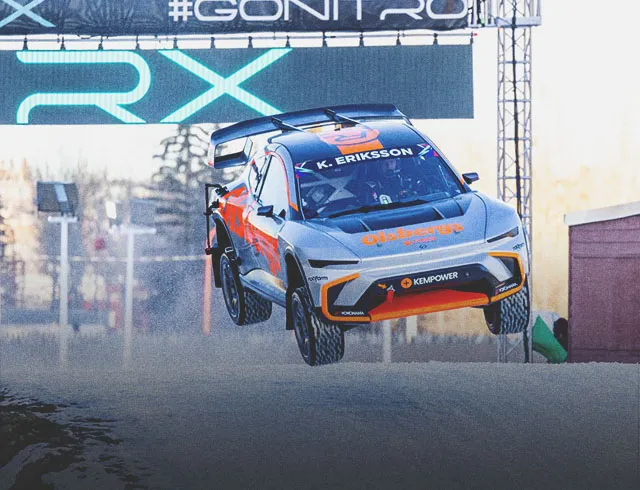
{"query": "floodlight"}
(57, 197)
(111, 209)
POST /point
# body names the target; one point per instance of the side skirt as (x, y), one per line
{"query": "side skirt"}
(265, 285)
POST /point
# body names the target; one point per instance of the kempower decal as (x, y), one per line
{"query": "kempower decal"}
(404, 234)
(353, 140)
(425, 281)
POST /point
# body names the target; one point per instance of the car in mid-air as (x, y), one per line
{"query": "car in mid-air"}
(347, 216)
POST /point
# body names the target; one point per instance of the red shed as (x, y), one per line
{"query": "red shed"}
(604, 284)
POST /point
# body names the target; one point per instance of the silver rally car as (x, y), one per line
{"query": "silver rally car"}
(349, 215)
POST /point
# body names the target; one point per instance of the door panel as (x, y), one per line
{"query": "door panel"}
(264, 230)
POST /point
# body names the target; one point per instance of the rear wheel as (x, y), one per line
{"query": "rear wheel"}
(511, 315)
(244, 306)
(319, 342)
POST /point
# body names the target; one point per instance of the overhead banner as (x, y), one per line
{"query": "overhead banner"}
(227, 85)
(172, 17)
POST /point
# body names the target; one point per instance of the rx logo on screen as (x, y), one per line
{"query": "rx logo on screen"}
(116, 103)
(26, 11)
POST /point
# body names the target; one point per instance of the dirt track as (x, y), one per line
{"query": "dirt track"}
(240, 410)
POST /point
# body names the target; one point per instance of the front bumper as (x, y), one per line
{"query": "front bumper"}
(364, 298)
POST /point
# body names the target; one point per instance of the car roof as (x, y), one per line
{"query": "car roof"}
(371, 135)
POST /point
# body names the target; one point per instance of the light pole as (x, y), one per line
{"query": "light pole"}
(130, 231)
(62, 199)
(64, 265)
(386, 341)
(141, 219)
(63, 321)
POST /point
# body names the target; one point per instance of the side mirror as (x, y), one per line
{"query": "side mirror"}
(265, 211)
(231, 154)
(471, 177)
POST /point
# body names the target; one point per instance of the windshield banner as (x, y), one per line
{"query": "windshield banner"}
(173, 17)
(423, 151)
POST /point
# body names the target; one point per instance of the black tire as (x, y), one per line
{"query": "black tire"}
(245, 307)
(319, 342)
(511, 315)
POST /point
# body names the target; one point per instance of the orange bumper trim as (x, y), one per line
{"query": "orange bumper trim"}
(420, 303)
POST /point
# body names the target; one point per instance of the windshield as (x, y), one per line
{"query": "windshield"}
(377, 179)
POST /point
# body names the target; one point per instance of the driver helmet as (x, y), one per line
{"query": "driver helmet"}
(390, 168)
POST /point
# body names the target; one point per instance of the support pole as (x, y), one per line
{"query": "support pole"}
(130, 231)
(63, 323)
(386, 341)
(514, 20)
(128, 305)
(64, 273)
(63, 320)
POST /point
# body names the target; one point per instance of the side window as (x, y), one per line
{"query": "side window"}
(256, 173)
(274, 187)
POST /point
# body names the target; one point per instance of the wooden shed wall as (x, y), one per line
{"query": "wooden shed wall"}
(604, 291)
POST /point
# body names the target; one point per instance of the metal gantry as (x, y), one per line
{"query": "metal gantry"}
(514, 20)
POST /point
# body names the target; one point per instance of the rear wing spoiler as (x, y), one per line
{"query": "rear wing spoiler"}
(291, 121)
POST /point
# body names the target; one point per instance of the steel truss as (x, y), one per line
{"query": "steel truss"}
(514, 20)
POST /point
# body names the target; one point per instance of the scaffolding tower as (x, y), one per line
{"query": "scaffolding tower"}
(514, 20)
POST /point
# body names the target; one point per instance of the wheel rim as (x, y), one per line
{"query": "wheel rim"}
(231, 296)
(301, 328)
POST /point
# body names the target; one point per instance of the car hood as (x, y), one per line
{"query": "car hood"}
(424, 227)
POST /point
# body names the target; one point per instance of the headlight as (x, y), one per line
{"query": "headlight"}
(510, 234)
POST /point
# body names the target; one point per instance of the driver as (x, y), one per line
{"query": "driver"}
(386, 185)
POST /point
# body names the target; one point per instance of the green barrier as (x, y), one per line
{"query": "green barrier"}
(546, 344)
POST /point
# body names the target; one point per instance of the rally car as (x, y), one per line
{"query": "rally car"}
(349, 215)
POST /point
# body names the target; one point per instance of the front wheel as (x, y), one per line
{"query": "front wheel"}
(244, 306)
(319, 342)
(511, 315)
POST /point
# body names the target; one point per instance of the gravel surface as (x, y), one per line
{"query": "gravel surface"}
(239, 409)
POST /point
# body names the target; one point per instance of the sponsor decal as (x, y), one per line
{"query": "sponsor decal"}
(518, 246)
(420, 241)
(426, 280)
(506, 288)
(353, 140)
(358, 157)
(406, 283)
(351, 313)
(413, 234)
(317, 278)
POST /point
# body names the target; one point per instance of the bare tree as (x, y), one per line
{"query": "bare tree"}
(180, 185)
